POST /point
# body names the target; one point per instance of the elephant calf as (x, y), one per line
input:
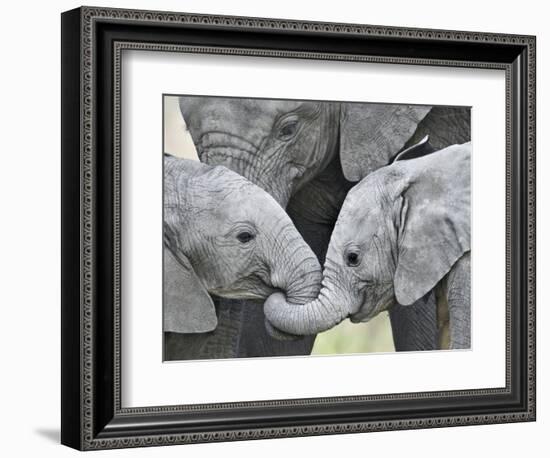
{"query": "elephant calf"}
(225, 236)
(403, 232)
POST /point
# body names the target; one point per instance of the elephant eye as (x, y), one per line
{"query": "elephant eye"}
(352, 259)
(288, 129)
(245, 236)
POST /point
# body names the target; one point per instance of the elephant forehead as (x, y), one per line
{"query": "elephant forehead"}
(357, 227)
(244, 117)
(220, 106)
(248, 202)
(363, 201)
(226, 193)
(362, 216)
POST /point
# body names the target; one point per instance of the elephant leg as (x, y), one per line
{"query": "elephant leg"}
(458, 298)
(414, 327)
(443, 315)
(222, 342)
(240, 333)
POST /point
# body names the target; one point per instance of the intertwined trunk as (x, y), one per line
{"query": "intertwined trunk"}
(322, 313)
(329, 307)
(299, 272)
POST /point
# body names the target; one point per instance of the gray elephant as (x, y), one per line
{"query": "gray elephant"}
(225, 236)
(403, 232)
(307, 155)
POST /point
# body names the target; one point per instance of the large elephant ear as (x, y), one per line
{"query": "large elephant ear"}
(372, 134)
(188, 308)
(434, 225)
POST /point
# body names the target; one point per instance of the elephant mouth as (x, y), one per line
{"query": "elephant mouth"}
(252, 287)
(276, 333)
(237, 294)
(382, 301)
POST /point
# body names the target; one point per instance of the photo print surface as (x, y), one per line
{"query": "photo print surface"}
(300, 227)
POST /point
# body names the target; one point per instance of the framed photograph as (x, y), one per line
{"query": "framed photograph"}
(276, 228)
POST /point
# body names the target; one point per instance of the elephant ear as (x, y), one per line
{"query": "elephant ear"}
(372, 134)
(433, 228)
(188, 308)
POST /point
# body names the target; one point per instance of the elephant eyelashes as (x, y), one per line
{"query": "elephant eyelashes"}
(245, 237)
(288, 129)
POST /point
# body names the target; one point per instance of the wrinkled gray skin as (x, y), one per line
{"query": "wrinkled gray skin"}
(307, 155)
(225, 236)
(403, 232)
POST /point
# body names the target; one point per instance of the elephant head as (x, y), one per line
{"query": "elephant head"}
(277, 144)
(399, 232)
(280, 145)
(223, 235)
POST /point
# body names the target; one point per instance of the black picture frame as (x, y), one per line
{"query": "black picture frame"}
(92, 40)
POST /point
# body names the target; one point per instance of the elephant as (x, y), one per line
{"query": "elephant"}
(403, 232)
(224, 236)
(308, 155)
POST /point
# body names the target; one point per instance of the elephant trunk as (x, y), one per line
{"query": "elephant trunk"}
(305, 281)
(297, 271)
(298, 275)
(316, 316)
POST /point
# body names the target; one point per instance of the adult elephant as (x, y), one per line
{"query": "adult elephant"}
(225, 236)
(307, 155)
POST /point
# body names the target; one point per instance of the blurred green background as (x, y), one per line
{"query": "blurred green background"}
(347, 337)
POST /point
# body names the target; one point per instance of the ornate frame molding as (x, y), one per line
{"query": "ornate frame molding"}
(89, 434)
